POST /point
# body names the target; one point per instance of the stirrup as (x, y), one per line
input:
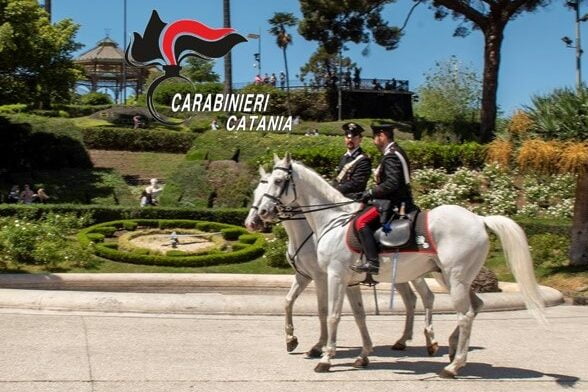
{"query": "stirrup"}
(369, 280)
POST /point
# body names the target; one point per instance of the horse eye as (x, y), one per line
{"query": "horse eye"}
(278, 181)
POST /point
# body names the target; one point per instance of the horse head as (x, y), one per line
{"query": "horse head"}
(280, 190)
(253, 221)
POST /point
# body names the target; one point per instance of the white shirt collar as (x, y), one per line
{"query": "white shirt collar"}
(350, 153)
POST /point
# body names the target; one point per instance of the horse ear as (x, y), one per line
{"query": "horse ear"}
(261, 171)
(276, 159)
(288, 158)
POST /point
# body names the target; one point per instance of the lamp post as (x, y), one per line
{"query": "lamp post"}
(124, 67)
(575, 5)
(257, 56)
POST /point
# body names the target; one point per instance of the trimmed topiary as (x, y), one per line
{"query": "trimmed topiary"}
(239, 251)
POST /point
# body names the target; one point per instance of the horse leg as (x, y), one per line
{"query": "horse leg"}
(356, 302)
(298, 286)
(409, 300)
(428, 299)
(477, 304)
(336, 295)
(323, 307)
(465, 315)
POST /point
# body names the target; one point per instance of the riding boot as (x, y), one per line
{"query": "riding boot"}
(370, 249)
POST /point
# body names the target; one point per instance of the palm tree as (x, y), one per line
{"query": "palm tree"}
(228, 59)
(279, 22)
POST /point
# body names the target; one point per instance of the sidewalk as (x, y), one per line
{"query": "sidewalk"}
(97, 352)
(209, 294)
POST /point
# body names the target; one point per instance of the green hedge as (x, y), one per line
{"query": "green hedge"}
(242, 252)
(126, 139)
(322, 153)
(81, 110)
(231, 234)
(234, 216)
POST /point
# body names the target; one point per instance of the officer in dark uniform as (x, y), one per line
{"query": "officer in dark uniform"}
(391, 192)
(355, 167)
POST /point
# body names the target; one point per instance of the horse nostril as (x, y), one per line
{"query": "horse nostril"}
(263, 212)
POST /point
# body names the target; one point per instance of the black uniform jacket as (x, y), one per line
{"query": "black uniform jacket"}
(355, 181)
(391, 179)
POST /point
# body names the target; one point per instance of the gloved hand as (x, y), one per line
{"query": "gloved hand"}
(386, 228)
(366, 196)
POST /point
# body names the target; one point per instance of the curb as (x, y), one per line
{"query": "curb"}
(234, 294)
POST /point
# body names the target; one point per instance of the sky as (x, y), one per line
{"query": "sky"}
(534, 59)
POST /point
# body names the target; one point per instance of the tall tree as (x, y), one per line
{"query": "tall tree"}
(200, 70)
(333, 23)
(325, 65)
(279, 22)
(451, 92)
(35, 56)
(228, 58)
(491, 18)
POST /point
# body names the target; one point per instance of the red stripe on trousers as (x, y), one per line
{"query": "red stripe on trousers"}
(366, 218)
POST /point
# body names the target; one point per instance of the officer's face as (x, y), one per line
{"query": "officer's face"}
(380, 140)
(352, 142)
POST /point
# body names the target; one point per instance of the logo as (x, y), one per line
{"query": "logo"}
(167, 45)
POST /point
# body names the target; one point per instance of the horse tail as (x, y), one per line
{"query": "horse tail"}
(518, 257)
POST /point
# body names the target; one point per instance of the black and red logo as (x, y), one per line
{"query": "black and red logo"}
(167, 44)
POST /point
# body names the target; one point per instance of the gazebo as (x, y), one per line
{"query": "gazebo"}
(104, 68)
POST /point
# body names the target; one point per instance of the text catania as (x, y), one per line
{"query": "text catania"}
(240, 103)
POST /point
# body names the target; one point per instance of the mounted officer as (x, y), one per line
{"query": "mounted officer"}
(355, 167)
(392, 191)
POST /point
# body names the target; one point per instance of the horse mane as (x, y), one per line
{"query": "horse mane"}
(322, 185)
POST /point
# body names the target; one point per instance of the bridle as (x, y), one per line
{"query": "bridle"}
(288, 211)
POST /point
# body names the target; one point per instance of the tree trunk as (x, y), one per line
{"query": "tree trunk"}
(493, 37)
(48, 8)
(287, 82)
(579, 247)
(228, 60)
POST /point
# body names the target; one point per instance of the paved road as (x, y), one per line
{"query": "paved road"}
(83, 352)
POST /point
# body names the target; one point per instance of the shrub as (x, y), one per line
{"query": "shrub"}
(275, 249)
(549, 250)
(179, 223)
(232, 234)
(107, 231)
(137, 140)
(143, 216)
(44, 241)
(96, 237)
(247, 238)
(95, 98)
(560, 115)
(80, 110)
(22, 148)
(14, 108)
(130, 225)
(175, 253)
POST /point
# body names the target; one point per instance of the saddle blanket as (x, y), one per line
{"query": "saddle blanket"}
(421, 239)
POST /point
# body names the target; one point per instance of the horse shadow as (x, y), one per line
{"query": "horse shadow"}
(473, 370)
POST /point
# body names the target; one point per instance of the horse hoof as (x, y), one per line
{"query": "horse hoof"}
(399, 346)
(361, 362)
(322, 367)
(291, 344)
(314, 353)
(432, 349)
(446, 374)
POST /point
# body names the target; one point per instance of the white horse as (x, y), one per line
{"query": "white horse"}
(459, 237)
(302, 256)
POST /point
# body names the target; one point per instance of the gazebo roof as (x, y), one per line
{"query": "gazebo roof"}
(106, 50)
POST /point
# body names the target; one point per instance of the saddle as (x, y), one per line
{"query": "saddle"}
(408, 234)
